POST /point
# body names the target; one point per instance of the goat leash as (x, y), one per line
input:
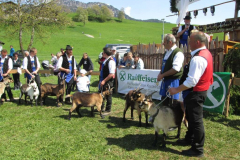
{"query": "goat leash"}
(155, 115)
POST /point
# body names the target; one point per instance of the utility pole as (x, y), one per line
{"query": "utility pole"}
(163, 29)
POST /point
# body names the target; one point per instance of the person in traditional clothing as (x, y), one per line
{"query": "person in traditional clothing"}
(184, 31)
(31, 66)
(196, 80)
(67, 66)
(6, 66)
(171, 70)
(107, 76)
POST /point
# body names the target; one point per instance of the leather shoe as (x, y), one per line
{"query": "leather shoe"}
(191, 153)
(184, 142)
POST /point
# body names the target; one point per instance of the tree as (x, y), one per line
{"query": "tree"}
(82, 15)
(121, 15)
(39, 18)
(106, 13)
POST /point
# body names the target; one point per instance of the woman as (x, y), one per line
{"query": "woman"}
(16, 63)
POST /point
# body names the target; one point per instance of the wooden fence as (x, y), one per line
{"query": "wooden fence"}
(152, 54)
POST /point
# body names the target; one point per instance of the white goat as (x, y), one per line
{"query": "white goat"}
(30, 90)
(164, 118)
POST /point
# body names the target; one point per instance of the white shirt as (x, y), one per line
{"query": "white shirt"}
(177, 59)
(25, 62)
(82, 83)
(111, 65)
(198, 65)
(1, 47)
(60, 60)
(140, 64)
(180, 28)
(10, 62)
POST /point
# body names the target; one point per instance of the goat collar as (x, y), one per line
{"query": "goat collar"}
(155, 115)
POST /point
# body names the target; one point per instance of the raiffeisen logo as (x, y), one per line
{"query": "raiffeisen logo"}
(141, 78)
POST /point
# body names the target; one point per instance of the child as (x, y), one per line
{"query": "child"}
(83, 81)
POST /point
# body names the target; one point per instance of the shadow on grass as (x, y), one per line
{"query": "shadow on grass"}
(222, 119)
(135, 141)
(84, 112)
(117, 122)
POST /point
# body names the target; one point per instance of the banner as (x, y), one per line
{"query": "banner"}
(182, 6)
(217, 92)
(129, 79)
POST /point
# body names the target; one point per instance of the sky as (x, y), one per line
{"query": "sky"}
(159, 9)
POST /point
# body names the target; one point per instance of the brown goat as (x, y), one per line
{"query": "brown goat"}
(134, 98)
(80, 99)
(57, 90)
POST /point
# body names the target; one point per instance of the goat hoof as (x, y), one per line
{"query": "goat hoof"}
(102, 117)
(132, 118)
(124, 120)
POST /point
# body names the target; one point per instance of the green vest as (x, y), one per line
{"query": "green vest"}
(169, 65)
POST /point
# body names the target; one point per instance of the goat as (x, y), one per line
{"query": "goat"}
(134, 98)
(164, 118)
(48, 89)
(31, 90)
(80, 99)
(4, 84)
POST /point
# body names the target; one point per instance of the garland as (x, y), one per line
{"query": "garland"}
(173, 6)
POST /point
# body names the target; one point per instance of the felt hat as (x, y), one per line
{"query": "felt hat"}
(68, 47)
(187, 18)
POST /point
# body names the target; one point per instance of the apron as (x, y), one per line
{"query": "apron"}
(70, 75)
(168, 82)
(184, 38)
(1, 70)
(33, 69)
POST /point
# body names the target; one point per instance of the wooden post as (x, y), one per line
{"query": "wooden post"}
(221, 58)
(228, 95)
(216, 57)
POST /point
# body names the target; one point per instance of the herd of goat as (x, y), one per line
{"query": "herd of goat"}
(164, 117)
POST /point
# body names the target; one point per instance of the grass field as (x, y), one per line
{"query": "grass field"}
(45, 133)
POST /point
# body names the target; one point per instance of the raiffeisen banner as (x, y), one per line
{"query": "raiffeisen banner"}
(129, 79)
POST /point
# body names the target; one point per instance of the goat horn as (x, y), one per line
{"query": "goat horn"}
(151, 93)
(139, 86)
(138, 90)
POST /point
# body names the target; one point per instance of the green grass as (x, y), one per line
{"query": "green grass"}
(45, 133)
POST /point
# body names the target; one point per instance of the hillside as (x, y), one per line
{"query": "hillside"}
(72, 5)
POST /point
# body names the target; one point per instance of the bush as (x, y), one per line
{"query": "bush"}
(231, 63)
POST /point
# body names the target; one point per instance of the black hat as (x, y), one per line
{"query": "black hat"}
(187, 18)
(68, 47)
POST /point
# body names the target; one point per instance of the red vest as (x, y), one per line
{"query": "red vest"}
(207, 78)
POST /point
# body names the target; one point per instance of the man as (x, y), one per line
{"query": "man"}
(67, 65)
(31, 66)
(16, 64)
(87, 65)
(113, 49)
(171, 70)
(130, 61)
(184, 31)
(196, 80)
(107, 75)
(6, 66)
(138, 62)
(12, 50)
